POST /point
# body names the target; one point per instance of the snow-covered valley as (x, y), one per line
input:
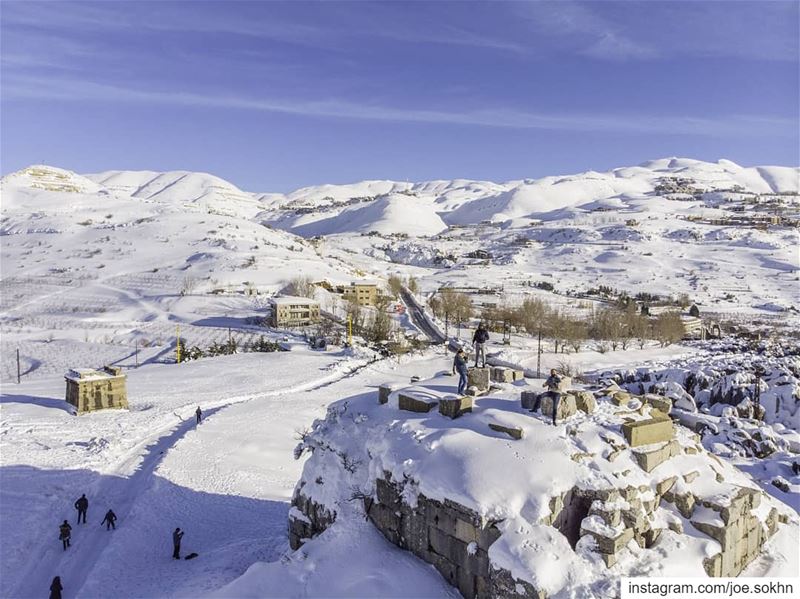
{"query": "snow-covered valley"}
(109, 268)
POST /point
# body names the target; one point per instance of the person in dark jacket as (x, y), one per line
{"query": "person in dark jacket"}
(82, 505)
(551, 384)
(460, 366)
(109, 520)
(479, 340)
(199, 413)
(176, 543)
(56, 588)
(65, 532)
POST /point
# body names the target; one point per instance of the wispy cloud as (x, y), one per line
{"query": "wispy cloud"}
(78, 90)
(584, 30)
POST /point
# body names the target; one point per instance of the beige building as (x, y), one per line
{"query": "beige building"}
(292, 311)
(363, 294)
(89, 390)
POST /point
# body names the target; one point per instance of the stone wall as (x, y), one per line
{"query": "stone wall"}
(307, 519)
(451, 537)
(456, 540)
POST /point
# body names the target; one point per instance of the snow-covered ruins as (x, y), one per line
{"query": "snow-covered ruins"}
(315, 332)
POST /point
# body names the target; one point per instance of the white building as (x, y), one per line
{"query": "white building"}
(290, 311)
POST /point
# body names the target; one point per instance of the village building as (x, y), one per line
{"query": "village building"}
(290, 311)
(363, 294)
(90, 390)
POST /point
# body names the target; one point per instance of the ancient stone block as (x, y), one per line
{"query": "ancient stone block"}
(662, 404)
(665, 485)
(448, 547)
(512, 431)
(610, 515)
(478, 377)
(455, 407)
(500, 374)
(649, 460)
(651, 537)
(621, 398)
(385, 518)
(528, 399)
(610, 544)
(384, 391)
(565, 384)
(411, 403)
(691, 476)
(388, 493)
(585, 401)
(647, 432)
(566, 406)
(517, 375)
(685, 502)
(713, 565)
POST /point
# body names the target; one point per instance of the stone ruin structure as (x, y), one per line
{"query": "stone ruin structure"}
(90, 390)
(456, 539)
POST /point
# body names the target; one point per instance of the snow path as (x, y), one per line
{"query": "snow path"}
(114, 490)
(120, 486)
(227, 483)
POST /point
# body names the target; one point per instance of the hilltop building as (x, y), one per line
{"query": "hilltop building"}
(90, 390)
(290, 311)
(363, 294)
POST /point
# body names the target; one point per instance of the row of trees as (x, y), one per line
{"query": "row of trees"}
(227, 348)
(609, 328)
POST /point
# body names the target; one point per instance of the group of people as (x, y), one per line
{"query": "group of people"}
(479, 339)
(82, 505)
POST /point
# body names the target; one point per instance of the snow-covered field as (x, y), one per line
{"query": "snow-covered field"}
(108, 268)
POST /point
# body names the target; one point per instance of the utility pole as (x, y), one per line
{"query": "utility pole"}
(18, 375)
(350, 330)
(178, 343)
(446, 325)
(136, 353)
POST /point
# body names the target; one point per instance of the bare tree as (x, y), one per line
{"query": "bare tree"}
(412, 285)
(395, 285)
(668, 328)
(456, 305)
(301, 286)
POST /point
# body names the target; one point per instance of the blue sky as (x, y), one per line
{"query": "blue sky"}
(273, 96)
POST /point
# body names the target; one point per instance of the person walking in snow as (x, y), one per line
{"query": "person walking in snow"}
(109, 520)
(552, 385)
(56, 588)
(479, 340)
(176, 543)
(65, 531)
(82, 505)
(199, 413)
(460, 366)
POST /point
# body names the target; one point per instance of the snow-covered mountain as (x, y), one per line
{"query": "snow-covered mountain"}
(110, 268)
(666, 226)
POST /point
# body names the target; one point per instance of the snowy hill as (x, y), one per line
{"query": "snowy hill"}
(111, 268)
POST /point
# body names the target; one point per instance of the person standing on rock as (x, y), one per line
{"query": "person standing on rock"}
(479, 340)
(109, 520)
(56, 588)
(552, 385)
(82, 505)
(176, 543)
(65, 532)
(199, 413)
(460, 366)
